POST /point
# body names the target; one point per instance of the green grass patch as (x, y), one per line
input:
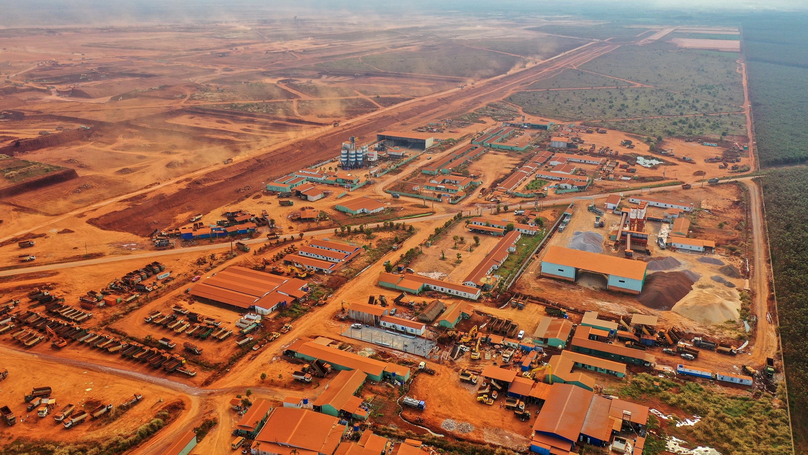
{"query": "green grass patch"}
(710, 126)
(598, 31)
(614, 104)
(524, 247)
(14, 170)
(572, 78)
(740, 425)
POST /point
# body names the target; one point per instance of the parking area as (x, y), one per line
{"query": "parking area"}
(389, 339)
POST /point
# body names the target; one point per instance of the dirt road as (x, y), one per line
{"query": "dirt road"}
(766, 336)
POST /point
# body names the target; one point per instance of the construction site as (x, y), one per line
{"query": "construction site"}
(286, 241)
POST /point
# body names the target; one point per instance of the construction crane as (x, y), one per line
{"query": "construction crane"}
(532, 373)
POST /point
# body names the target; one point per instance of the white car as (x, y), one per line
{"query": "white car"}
(521, 335)
(356, 326)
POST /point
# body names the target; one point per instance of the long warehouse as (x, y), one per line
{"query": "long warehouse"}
(623, 275)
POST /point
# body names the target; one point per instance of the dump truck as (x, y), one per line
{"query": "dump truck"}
(686, 186)
(101, 410)
(64, 413)
(192, 348)
(301, 376)
(136, 398)
(413, 403)
(726, 350)
(27, 257)
(243, 247)
(704, 344)
(38, 392)
(285, 203)
(684, 348)
(76, 419)
(713, 181)
(557, 312)
(167, 343)
(423, 367)
(3, 374)
(9, 416)
(26, 244)
(769, 367)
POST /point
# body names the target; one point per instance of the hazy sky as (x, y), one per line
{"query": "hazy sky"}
(27, 13)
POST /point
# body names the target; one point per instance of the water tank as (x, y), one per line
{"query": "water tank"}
(305, 401)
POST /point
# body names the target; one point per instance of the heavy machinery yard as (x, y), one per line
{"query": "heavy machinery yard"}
(278, 229)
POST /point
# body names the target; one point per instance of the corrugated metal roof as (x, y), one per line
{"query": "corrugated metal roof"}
(303, 429)
(499, 374)
(564, 412)
(594, 262)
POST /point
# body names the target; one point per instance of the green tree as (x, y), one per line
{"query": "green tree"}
(509, 227)
(476, 241)
(263, 376)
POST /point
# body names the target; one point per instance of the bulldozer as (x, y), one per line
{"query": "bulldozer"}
(485, 399)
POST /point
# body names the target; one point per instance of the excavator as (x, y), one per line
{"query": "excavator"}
(58, 342)
(297, 272)
(469, 336)
(532, 373)
(475, 354)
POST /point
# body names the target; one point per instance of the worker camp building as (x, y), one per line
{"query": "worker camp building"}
(415, 284)
(572, 414)
(360, 205)
(553, 332)
(480, 276)
(320, 349)
(623, 275)
(293, 430)
(661, 203)
(339, 398)
(583, 343)
(403, 325)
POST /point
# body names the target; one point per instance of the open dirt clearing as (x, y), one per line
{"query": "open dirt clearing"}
(714, 44)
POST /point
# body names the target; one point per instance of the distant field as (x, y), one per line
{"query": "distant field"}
(543, 47)
(718, 36)
(322, 90)
(600, 31)
(452, 60)
(571, 78)
(684, 83)
(283, 108)
(711, 126)
(713, 76)
(603, 104)
(15, 170)
(243, 92)
(336, 108)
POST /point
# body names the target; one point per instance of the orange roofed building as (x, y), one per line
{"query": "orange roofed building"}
(293, 430)
(572, 414)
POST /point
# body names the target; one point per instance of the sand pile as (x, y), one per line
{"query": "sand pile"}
(665, 263)
(124, 171)
(663, 289)
(730, 271)
(713, 261)
(586, 241)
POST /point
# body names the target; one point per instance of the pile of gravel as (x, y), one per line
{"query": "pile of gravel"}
(663, 263)
(718, 279)
(730, 271)
(465, 427)
(713, 261)
(586, 241)
(449, 425)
